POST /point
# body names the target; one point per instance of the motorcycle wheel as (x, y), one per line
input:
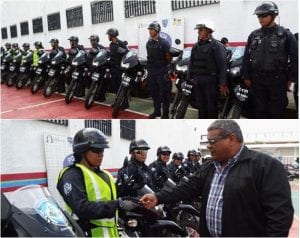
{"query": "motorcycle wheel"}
(191, 228)
(21, 82)
(235, 111)
(182, 107)
(50, 86)
(4, 76)
(71, 91)
(90, 97)
(36, 84)
(175, 104)
(120, 98)
(12, 79)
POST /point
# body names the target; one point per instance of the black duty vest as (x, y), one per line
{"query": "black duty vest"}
(267, 51)
(155, 54)
(203, 58)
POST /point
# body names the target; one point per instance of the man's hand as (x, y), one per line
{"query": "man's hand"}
(247, 83)
(149, 200)
(224, 90)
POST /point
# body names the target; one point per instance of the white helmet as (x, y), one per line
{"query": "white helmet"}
(208, 24)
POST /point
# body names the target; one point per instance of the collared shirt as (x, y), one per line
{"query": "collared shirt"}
(215, 199)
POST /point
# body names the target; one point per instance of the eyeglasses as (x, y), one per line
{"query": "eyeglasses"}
(215, 140)
(263, 15)
(141, 152)
(165, 153)
(97, 150)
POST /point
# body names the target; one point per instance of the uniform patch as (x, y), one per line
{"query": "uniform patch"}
(67, 188)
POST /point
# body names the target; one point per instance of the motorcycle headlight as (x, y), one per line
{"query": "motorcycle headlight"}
(53, 62)
(132, 223)
(75, 63)
(95, 64)
(182, 68)
(125, 66)
(235, 71)
(4, 60)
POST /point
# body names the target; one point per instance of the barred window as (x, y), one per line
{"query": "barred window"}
(37, 25)
(181, 4)
(24, 28)
(102, 125)
(53, 21)
(13, 31)
(135, 8)
(4, 33)
(127, 129)
(58, 122)
(102, 11)
(74, 17)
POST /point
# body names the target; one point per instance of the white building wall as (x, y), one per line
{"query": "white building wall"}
(233, 19)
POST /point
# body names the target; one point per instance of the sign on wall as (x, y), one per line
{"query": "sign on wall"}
(171, 30)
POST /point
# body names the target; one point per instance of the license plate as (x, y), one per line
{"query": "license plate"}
(22, 69)
(12, 68)
(95, 76)
(51, 72)
(38, 71)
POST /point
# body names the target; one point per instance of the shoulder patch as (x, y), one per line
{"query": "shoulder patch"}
(67, 188)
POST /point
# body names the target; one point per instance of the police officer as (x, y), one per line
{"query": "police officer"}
(7, 47)
(158, 56)
(174, 165)
(75, 48)
(15, 49)
(270, 63)
(207, 69)
(188, 163)
(159, 167)
(197, 159)
(55, 48)
(37, 53)
(89, 191)
(136, 169)
(117, 49)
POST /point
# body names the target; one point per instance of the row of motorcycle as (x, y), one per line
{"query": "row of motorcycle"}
(52, 73)
(31, 211)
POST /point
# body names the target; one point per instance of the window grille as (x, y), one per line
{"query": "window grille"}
(4, 33)
(127, 129)
(24, 28)
(135, 8)
(13, 31)
(58, 122)
(74, 17)
(53, 21)
(102, 11)
(37, 25)
(102, 125)
(181, 4)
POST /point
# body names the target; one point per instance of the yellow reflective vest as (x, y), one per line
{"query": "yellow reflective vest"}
(98, 190)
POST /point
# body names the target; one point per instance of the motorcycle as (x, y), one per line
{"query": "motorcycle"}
(78, 75)
(234, 103)
(25, 70)
(55, 74)
(41, 73)
(14, 69)
(31, 211)
(134, 76)
(101, 73)
(6, 60)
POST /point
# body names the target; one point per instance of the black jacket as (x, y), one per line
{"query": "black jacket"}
(160, 173)
(256, 196)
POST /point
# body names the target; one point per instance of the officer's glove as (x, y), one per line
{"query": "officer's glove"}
(126, 204)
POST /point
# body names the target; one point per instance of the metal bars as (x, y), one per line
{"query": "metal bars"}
(182, 4)
(102, 11)
(74, 17)
(135, 8)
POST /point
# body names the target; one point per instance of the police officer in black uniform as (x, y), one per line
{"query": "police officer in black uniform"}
(159, 57)
(55, 48)
(136, 169)
(174, 165)
(197, 159)
(7, 47)
(188, 163)
(88, 148)
(159, 168)
(207, 70)
(117, 49)
(270, 63)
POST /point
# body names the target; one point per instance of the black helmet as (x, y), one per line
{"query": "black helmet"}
(267, 8)
(15, 45)
(224, 40)
(54, 40)
(138, 144)
(178, 156)
(191, 152)
(112, 32)
(89, 138)
(38, 43)
(8, 45)
(94, 37)
(74, 38)
(26, 45)
(162, 149)
(155, 26)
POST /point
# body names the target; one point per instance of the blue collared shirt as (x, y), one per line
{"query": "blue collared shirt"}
(215, 199)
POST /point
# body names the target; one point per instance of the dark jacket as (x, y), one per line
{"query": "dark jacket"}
(256, 196)
(160, 172)
(117, 51)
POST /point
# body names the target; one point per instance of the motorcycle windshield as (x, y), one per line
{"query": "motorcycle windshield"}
(8, 57)
(44, 58)
(186, 53)
(58, 58)
(80, 58)
(131, 59)
(36, 202)
(144, 190)
(28, 57)
(18, 57)
(101, 57)
(237, 53)
(169, 183)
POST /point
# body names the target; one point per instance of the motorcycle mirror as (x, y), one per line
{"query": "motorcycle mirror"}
(6, 210)
(126, 42)
(177, 42)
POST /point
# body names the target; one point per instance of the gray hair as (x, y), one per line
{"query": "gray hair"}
(227, 127)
